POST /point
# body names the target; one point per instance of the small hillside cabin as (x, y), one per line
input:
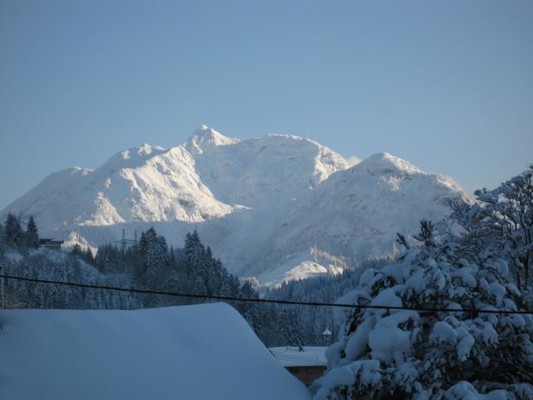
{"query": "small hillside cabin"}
(305, 363)
(51, 244)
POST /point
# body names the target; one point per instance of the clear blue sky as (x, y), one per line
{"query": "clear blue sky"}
(447, 85)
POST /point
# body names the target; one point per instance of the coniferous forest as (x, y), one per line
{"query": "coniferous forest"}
(150, 264)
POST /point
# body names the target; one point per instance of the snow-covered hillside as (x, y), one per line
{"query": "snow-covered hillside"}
(356, 213)
(277, 207)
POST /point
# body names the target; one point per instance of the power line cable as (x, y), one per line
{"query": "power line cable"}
(264, 301)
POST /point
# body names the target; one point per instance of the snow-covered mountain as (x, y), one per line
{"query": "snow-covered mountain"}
(357, 212)
(277, 207)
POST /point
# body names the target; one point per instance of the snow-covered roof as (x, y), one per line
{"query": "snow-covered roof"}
(300, 356)
(190, 352)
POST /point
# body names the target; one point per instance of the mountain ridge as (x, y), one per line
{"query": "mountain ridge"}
(261, 203)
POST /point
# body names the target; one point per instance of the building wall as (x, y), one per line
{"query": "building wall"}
(307, 375)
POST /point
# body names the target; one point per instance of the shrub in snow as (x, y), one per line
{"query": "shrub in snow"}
(434, 354)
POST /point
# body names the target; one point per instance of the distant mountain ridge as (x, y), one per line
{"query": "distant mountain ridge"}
(276, 207)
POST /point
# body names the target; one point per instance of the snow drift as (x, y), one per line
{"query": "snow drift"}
(192, 352)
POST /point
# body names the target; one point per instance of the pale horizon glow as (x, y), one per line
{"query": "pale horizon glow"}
(446, 85)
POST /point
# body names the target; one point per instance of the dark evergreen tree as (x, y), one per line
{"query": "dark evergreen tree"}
(289, 328)
(248, 309)
(196, 263)
(31, 236)
(14, 236)
(156, 261)
(198, 286)
(145, 241)
(108, 258)
(2, 241)
(195, 254)
(177, 275)
(87, 255)
(76, 250)
(151, 268)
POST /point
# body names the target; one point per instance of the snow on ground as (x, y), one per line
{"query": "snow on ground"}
(189, 352)
(291, 356)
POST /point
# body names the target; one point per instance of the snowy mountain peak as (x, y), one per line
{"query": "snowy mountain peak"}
(205, 137)
(130, 158)
(146, 149)
(143, 150)
(385, 163)
(287, 137)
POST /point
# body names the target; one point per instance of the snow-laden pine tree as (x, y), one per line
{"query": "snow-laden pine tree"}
(501, 222)
(108, 258)
(153, 258)
(249, 310)
(435, 354)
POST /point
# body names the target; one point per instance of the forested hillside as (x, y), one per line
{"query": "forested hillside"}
(190, 275)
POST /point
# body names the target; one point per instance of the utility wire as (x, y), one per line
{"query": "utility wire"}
(264, 301)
